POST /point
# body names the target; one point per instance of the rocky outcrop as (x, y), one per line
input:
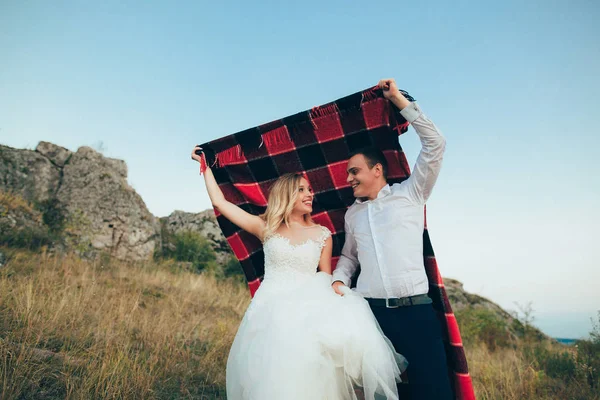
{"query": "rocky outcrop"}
(57, 155)
(108, 213)
(205, 223)
(463, 301)
(101, 211)
(28, 173)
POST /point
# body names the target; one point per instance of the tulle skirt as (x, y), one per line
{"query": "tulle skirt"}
(302, 341)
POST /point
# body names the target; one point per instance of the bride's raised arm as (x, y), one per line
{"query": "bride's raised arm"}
(248, 222)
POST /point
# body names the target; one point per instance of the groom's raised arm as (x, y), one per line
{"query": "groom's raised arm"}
(429, 162)
(348, 261)
(419, 185)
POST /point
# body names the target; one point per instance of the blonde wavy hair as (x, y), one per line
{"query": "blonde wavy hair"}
(282, 197)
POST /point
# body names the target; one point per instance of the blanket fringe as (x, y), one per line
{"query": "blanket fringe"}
(369, 95)
(401, 128)
(202, 163)
(277, 136)
(229, 156)
(323, 111)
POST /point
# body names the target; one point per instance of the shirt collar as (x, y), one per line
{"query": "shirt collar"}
(386, 190)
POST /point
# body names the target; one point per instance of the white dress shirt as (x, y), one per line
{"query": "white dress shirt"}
(385, 235)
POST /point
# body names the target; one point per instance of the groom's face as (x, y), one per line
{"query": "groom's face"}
(360, 176)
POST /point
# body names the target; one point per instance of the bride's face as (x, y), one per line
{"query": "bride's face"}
(304, 200)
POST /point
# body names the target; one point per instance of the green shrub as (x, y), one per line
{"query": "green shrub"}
(31, 238)
(191, 247)
(233, 269)
(588, 355)
(482, 325)
(53, 215)
(579, 364)
(560, 365)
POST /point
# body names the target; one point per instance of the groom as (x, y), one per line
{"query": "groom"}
(384, 234)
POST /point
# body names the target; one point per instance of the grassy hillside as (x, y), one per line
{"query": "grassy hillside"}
(79, 329)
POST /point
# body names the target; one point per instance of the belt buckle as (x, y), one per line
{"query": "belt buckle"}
(387, 304)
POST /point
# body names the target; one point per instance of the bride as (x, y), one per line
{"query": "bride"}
(298, 338)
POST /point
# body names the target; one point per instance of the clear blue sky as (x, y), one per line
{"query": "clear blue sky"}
(513, 85)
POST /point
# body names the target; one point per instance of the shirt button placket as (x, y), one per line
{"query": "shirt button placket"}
(373, 235)
(378, 254)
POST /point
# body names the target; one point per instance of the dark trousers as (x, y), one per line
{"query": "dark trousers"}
(416, 333)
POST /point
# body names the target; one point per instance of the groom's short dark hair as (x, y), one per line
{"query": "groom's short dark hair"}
(373, 156)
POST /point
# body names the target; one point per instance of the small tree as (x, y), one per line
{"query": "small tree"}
(525, 316)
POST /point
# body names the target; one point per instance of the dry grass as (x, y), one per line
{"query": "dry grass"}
(14, 202)
(79, 330)
(72, 329)
(502, 374)
(508, 374)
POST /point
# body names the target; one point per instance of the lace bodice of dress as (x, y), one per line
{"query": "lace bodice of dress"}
(286, 261)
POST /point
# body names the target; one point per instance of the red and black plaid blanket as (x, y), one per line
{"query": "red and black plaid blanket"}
(317, 143)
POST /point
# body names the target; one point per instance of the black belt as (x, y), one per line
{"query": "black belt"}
(401, 302)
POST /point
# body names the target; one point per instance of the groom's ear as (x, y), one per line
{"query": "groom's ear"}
(378, 170)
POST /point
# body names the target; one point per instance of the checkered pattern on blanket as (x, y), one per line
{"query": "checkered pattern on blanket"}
(317, 142)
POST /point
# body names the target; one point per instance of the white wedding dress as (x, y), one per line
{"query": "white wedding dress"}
(300, 340)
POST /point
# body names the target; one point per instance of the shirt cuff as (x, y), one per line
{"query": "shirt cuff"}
(341, 277)
(411, 112)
